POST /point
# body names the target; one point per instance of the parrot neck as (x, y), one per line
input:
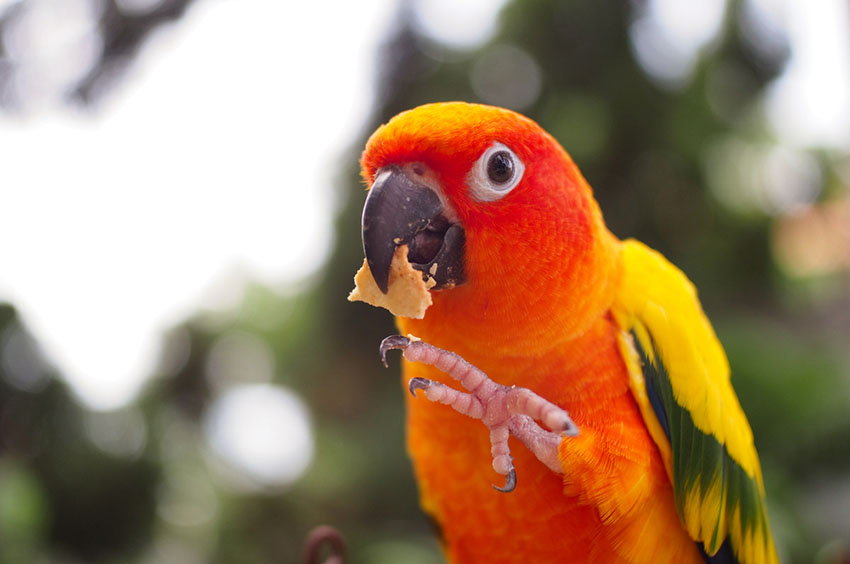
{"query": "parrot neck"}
(537, 303)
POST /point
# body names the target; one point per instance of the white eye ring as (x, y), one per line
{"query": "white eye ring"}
(495, 173)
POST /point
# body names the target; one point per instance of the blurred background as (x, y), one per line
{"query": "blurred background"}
(181, 377)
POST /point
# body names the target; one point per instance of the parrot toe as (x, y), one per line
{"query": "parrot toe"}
(504, 410)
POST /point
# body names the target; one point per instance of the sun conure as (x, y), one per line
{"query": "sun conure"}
(591, 351)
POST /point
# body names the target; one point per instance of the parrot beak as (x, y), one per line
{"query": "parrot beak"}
(401, 211)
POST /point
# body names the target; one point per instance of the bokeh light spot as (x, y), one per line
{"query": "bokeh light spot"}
(121, 433)
(187, 499)
(458, 23)
(668, 35)
(507, 76)
(814, 241)
(47, 62)
(263, 432)
(21, 361)
(771, 180)
(239, 358)
(809, 105)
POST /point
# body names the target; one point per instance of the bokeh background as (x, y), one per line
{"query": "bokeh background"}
(181, 377)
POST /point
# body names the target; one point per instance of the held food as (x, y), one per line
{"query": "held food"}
(408, 294)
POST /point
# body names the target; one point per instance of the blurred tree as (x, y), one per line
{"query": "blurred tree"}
(56, 487)
(118, 29)
(123, 32)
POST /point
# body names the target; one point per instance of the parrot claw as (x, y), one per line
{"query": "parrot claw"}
(504, 410)
(390, 343)
(570, 428)
(510, 483)
(418, 384)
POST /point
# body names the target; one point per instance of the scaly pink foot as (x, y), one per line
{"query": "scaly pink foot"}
(505, 410)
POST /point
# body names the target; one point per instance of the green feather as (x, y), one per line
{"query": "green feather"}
(700, 461)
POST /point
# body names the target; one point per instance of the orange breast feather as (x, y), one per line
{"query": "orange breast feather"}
(614, 502)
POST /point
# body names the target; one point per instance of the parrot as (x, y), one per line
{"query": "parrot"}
(576, 368)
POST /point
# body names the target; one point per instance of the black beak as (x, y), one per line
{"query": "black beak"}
(400, 211)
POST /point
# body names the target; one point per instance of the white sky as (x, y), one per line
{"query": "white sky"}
(214, 160)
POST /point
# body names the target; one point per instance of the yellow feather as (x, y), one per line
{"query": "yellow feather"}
(689, 346)
(659, 305)
(636, 384)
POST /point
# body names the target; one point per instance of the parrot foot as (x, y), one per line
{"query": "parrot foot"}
(505, 410)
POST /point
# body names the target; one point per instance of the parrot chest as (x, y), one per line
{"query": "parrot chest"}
(546, 518)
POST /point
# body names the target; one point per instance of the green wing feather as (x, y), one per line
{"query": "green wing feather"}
(680, 379)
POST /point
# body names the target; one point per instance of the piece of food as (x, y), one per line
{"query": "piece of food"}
(408, 294)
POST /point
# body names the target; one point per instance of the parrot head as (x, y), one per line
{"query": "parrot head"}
(491, 207)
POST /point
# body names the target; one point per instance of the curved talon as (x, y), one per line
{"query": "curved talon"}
(392, 342)
(510, 482)
(570, 428)
(418, 384)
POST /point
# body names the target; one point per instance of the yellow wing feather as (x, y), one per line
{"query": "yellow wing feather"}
(721, 495)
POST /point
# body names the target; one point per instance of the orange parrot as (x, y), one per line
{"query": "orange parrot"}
(591, 352)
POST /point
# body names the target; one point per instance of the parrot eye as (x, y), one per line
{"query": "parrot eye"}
(500, 167)
(497, 172)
